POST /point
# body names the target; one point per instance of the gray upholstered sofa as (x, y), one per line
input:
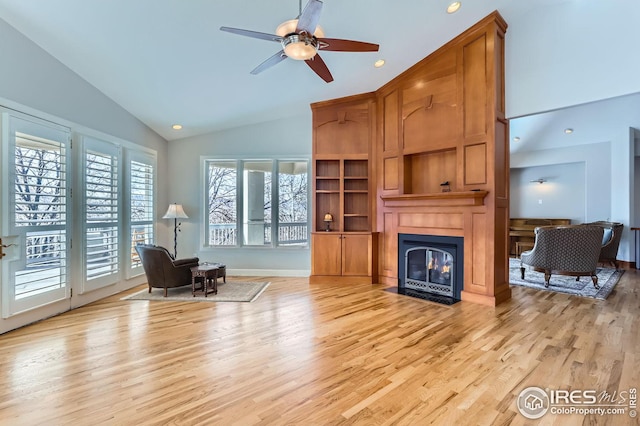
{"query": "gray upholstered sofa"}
(565, 250)
(162, 270)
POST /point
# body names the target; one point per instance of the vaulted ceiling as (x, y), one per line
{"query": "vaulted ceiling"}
(167, 62)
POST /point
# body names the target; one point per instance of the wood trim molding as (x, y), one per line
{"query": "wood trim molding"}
(464, 198)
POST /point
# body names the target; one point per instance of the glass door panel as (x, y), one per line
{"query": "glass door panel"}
(35, 225)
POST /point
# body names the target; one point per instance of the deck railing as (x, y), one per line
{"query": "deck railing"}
(289, 234)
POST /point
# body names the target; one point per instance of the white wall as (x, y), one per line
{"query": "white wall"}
(571, 52)
(595, 183)
(287, 138)
(31, 77)
(563, 195)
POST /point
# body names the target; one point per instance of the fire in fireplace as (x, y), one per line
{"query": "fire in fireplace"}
(431, 267)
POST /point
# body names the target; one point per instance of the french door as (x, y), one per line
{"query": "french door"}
(35, 215)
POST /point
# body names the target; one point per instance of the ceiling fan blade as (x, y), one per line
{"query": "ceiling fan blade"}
(339, 45)
(319, 67)
(252, 34)
(310, 16)
(275, 59)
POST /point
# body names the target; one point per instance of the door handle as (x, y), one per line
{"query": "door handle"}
(3, 254)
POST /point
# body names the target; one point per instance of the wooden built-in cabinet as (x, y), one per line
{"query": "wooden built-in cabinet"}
(348, 255)
(443, 120)
(342, 186)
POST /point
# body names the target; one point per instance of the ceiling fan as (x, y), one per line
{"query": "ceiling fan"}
(301, 39)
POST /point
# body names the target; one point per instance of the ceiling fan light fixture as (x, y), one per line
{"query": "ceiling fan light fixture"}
(300, 46)
(301, 39)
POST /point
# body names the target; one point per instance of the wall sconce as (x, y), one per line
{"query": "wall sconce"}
(539, 180)
(328, 219)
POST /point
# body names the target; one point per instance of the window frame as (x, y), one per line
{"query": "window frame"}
(240, 208)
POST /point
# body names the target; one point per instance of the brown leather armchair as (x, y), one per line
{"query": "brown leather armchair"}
(565, 250)
(162, 270)
(610, 241)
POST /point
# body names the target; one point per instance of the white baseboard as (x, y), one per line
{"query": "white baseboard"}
(269, 272)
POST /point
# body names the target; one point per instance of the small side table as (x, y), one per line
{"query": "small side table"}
(222, 271)
(209, 275)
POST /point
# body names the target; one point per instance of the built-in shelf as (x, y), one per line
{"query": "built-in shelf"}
(342, 190)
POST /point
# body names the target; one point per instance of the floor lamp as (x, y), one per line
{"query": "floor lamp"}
(175, 212)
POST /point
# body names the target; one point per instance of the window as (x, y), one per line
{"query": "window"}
(258, 203)
(101, 187)
(256, 196)
(141, 190)
(292, 203)
(221, 202)
(40, 210)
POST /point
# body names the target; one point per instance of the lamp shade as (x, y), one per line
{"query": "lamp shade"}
(289, 27)
(328, 217)
(175, 211)
(298, 46)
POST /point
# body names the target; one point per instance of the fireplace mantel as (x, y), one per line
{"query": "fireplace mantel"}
(440, 199)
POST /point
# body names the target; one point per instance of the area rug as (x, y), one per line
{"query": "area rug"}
(607, 279)
(231, 291)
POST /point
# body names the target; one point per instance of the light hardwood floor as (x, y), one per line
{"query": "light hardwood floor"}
(318, 355)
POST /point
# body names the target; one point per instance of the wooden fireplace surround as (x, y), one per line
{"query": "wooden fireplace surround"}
(439, 126)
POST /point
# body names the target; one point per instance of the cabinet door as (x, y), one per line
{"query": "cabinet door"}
(356, 254)
(326, 254)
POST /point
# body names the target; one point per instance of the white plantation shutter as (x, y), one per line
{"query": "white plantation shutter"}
(101, 212)
(141, 196)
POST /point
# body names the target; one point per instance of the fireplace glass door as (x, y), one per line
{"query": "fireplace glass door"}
(429, 269)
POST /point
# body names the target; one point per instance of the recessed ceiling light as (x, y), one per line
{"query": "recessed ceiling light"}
(568, 130)
(379, 63)
(176, 126)
(516, 139)
(453, 7)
